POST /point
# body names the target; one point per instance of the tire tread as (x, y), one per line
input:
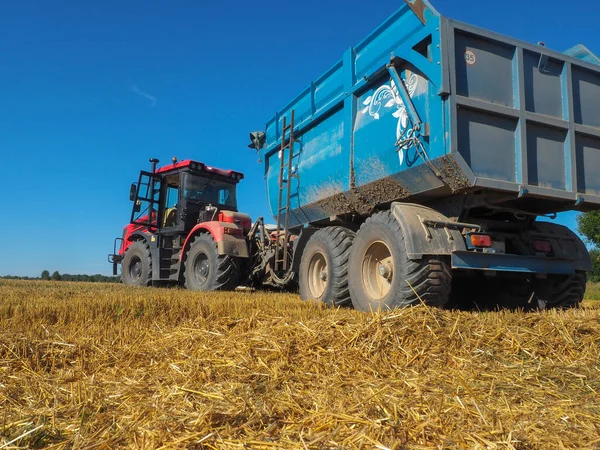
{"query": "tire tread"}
(227, 270)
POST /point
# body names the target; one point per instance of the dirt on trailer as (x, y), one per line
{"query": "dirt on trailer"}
(365, 199)
(451, 174)
(96, 365)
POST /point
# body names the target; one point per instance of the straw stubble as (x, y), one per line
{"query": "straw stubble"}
(109, 366)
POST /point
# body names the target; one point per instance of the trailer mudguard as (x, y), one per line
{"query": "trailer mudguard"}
(299, 245)
(423, 239)
(228, 237)
(565, 244)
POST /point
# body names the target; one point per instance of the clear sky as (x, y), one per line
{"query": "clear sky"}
(90, 90)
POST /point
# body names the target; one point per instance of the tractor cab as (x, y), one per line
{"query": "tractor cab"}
(175, 198)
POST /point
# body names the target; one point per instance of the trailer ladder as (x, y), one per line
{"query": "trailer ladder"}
(285, 182)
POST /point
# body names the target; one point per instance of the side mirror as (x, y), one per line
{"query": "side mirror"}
(132, 191)
(138, 206)
(257, 139)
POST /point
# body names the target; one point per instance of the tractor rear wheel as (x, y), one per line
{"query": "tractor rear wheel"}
(137, 265)
(382, 277)
(323, 273)
(206, 270)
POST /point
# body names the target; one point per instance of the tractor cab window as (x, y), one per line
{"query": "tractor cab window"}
(171, 201)
(209, 189)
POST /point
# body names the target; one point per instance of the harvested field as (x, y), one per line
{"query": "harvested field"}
(105, 366)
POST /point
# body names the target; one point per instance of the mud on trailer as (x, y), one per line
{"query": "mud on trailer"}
(414, 170)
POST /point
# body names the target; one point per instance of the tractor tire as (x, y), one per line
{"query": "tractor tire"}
(382, 277)
(206, 270)
(323, 272)
(137, 265)
(562, 292)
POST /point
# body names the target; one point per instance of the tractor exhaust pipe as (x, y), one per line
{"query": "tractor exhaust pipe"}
(154, 162)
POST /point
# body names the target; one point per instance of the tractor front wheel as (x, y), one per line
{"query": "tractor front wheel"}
(137, 265)
(206, 270)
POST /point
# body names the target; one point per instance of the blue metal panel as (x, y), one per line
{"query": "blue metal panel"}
(581, 52)
(511, 263)
(521, 119)
(497, 113)
(351, 118)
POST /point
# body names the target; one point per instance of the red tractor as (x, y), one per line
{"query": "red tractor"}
(185, 229)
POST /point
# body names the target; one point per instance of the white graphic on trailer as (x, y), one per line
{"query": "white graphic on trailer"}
(391, 97)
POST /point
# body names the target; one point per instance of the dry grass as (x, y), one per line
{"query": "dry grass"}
(104, 366)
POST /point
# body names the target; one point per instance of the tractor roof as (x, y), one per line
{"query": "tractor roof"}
(196, 165)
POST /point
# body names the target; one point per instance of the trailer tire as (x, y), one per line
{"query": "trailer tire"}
(323, 272)
(562, 292)
(382, 277)
(137, 265)
(206, 270)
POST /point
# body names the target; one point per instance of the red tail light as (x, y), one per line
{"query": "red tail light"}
(542, 246)
(233, 231)
(481, 240)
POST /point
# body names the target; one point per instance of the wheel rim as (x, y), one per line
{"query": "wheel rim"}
(317, 275)
(135, 269)
(201, 268)
(377, 270)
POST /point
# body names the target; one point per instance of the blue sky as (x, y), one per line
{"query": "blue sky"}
(90, 90)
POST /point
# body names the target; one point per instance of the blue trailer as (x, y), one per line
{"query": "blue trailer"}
(417, 167)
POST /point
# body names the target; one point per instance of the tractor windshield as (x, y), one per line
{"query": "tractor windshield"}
(209, 189)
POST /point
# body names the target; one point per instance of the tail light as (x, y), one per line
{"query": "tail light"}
(542, 246)
(233, 231)
(481, 241)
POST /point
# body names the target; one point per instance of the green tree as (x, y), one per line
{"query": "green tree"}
(56, 276)
(595, 274)
(45, 275)
(588, 224)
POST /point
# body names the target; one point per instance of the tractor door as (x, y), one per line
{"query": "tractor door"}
(170, 201)
(146, 207)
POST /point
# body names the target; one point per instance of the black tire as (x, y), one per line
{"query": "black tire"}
(137, 265)
(380, 270)
(562, 291)
(206, 270)
(323, 272)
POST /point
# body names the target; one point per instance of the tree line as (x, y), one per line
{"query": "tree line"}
(57, 276)
(589, 226)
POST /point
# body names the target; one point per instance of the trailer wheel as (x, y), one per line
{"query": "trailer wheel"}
(137, 265)
(382, 277)
(323, 272)
(562, 292)
(206, 270)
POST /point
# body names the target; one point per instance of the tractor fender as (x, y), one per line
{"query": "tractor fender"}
(228, 237)
(138, 236)
(129, 237)
(422, 239)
